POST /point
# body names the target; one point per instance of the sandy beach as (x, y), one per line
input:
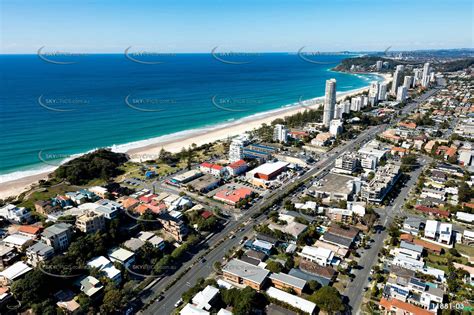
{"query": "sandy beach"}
(198, 137)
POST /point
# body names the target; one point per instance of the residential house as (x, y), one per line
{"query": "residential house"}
(107, 267)
(38, 253)
(15, 214)
(122, 256)
(321, 256)
(90, 222)
(14, 272)
(58, 236)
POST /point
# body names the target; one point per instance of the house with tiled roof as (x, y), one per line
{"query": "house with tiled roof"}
(232, 197)
(236, 168)
(397, 307)
(211, 168)
(32, 231)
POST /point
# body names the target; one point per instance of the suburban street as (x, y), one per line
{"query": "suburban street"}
(355, 290)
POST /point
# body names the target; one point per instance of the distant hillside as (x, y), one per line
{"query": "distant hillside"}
(365, 63)
(455, 65)
(100, 164)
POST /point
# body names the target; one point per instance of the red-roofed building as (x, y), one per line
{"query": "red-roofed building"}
(141, 209)
(409, 125)
(232, 197)
(144, 207)
(207, 214)
(432, 211)
(430, 247)
(237, 168)
(399, 151)
(147, 198)
(213, 169)
(298, 134)
(30, 230)
(397, 307)
(130, 203)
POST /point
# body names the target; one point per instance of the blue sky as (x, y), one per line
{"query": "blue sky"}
(241, 25)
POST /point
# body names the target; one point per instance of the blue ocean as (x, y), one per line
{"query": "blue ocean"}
(53, 109)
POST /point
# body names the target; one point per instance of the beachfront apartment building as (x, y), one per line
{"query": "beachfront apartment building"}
(16, 214)
(329, 102)
(236, 148)
(280, 133)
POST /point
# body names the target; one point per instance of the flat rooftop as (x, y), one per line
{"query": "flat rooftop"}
(337, 183)
(246, 271)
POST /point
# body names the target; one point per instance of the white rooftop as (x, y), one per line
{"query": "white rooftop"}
(431, 225)
(190, 309)
(17, 239)
(263, 244)
(293, 300)
(16, 270)
(269, 168)
(317, 252)
(202, 298)
(121, 254)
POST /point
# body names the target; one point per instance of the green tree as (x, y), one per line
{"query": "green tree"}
(112, 301)
(274, 266)
(328, 299)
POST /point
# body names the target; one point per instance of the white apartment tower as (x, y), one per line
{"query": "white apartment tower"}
(402, 93)
(379, 65)
(425, 81)
(329, 102)
(236, 149)
(280, 133)
(374, 92)
(356, 103)
(382, 92)
(335, 127)
(397, 77)
(407, 81)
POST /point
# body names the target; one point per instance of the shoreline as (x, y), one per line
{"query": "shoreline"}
(149, 148)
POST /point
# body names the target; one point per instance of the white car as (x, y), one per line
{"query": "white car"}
(178, 303)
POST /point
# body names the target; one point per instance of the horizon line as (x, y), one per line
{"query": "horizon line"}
(348, 52)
